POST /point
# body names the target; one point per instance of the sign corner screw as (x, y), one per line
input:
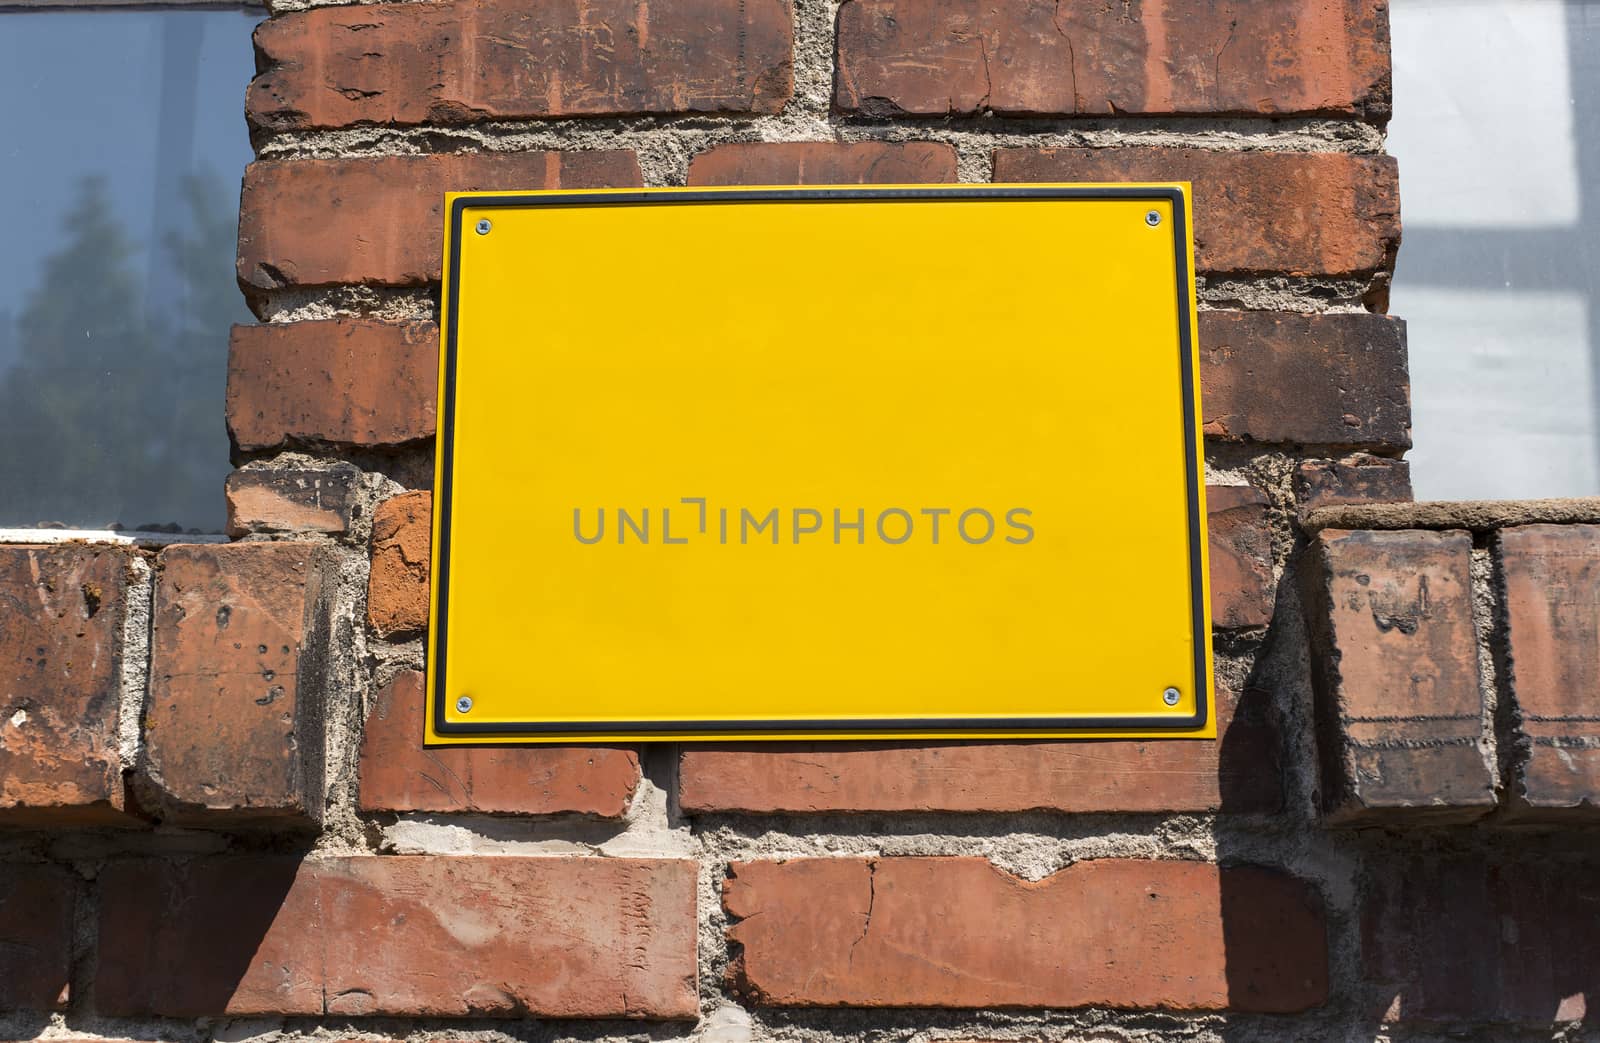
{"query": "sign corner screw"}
(464, 704)
(1151, 218)
(483, 227)
(1170, 697)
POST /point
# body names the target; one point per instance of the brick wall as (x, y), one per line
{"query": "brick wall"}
(216, 820)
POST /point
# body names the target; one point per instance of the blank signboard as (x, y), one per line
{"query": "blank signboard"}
(818, 463)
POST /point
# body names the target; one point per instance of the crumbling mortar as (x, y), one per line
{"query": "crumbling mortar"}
(1297, 293)
(386, 659)
(385, 303)
(814, 59)
(1273, 474)
(344, 692)
(1486, 607)
(134, 678)
(782, 1026)
(937, 1026)
(1031, 845)
(665, 143)
(420, 304)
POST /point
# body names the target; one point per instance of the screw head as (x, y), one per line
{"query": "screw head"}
(483, 226)
(1170, 696)
(1152, 218)
(464, 704)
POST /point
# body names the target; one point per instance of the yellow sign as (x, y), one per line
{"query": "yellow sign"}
(819, 463)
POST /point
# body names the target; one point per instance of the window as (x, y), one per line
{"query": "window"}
(119, 190)
(1497, 129)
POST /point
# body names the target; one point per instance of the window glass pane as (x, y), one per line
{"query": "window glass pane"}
(124, 140)
(1497, 129)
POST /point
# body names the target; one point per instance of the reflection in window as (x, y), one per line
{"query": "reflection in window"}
(119, 187)
(1497, 129)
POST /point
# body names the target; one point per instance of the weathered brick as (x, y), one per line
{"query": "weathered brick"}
(1242, 585)
(1237, 774)
(429, 936)
(380, 221)
(1396, 676)
(1476, 937)
(397, 774)
(209, 936)
(292, 499)
(397, 584)
(1310, 379)
(825, 163)
(489, 59)
(1041, 58)
(37, 904)
(958, 932)
(1358, 478)
(233, 730)
(1552, 612)
(61, 613)
(1301, 213)
(342, 381)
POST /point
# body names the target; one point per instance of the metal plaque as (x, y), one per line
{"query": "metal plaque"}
(819, 463)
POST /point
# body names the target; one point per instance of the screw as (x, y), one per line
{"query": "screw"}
(1170, 697)
(1151, 218)
(483, 229)
(464, 704)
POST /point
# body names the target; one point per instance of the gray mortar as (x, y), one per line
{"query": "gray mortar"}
(1485, 617)
(420, 304)
(391, 657)
(666, 143)
(344, 694)
(1283, 293)
(388, 303)
(134, 676)
(1513, 747)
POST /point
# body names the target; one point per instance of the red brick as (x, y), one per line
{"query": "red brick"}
(1395, 669)
(1479, 938)
(1242, 584)
(825, 163)
(61, 613)
(233, 730)
(490, 59)
(1359, 478)
(1041, 58)
(209, 936)
(397, 774)
(397, 585)
(957, 932)
(1552, 612)
(380, 221)
(1337, 380)
(37, 905)
(292, 499)
(1238, 773)
(339, 381)
(426, 936)
(1301, 213)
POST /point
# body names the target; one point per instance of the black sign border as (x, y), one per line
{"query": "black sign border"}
(884, 727)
